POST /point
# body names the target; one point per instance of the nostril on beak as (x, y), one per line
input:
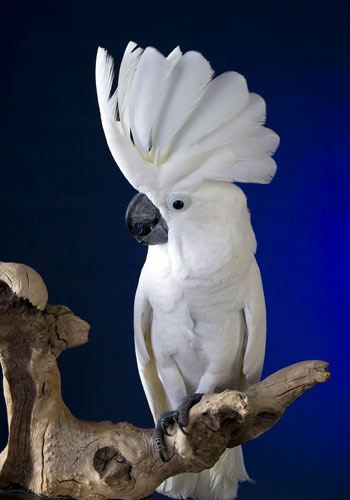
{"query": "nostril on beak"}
(137, 228)
(141, 229)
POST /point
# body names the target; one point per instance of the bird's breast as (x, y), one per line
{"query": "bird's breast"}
(201, 295)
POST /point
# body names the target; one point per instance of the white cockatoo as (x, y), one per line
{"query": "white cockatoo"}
(182, 137)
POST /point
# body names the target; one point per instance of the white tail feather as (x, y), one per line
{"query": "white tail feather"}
(218, 483)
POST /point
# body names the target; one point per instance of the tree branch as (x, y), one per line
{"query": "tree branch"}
(51, 452)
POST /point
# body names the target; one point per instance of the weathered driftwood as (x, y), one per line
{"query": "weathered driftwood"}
(51, 452)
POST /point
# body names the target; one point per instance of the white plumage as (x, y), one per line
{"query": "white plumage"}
(199, 308)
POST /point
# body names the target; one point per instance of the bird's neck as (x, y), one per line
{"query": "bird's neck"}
(197, 255)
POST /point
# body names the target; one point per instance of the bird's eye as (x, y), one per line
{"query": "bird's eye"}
(177, 202)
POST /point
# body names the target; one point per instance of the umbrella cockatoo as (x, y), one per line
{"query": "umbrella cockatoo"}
(182, 137)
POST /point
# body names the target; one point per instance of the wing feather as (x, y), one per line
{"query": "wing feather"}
(153, 387)
(255, 317)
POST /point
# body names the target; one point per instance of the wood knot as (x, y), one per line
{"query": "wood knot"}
(112, 466)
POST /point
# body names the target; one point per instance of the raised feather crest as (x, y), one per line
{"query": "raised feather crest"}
(170, 122)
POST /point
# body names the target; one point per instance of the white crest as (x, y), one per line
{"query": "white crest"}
(171, 123)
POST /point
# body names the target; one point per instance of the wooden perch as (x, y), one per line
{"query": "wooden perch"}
(51, 452)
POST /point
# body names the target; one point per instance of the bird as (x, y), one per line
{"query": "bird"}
(183, 138)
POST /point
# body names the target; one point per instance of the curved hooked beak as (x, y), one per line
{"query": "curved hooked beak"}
(143, 215)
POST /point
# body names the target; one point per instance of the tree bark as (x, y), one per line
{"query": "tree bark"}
(51, 452)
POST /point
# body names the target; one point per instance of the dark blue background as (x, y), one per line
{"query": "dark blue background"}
(63, 200)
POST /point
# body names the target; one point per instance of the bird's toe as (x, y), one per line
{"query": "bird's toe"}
(167, 419)
(184, 408)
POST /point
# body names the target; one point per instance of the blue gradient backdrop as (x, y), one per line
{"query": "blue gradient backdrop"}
(63, 200)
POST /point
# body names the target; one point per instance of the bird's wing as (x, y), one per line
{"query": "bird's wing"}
(255, 317)
(153, 387)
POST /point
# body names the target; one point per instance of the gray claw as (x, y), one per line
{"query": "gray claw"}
(179, 416)
(181, 427)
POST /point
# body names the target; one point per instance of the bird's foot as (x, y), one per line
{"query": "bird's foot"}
(168, 418)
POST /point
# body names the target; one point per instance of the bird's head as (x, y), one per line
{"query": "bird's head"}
(150, 217)
(181, 137)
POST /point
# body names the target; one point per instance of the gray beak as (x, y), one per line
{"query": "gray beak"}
(145, 222)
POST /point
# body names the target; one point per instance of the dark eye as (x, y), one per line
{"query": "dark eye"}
(177, 202)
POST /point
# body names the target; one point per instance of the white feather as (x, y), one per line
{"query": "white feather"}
(180, 164)
(127, 70)
(247, 159)
(260, 141)
(190, 167)
(144, 97)
(251, 116)
(171, 61)
(224, 97)
(174, 57)
(219, 482)
(127, 157)
(183, 123)
(186, 85)
(222, 165)
(148, 92)
(104, 81)
(258, 170)
(121, 147)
